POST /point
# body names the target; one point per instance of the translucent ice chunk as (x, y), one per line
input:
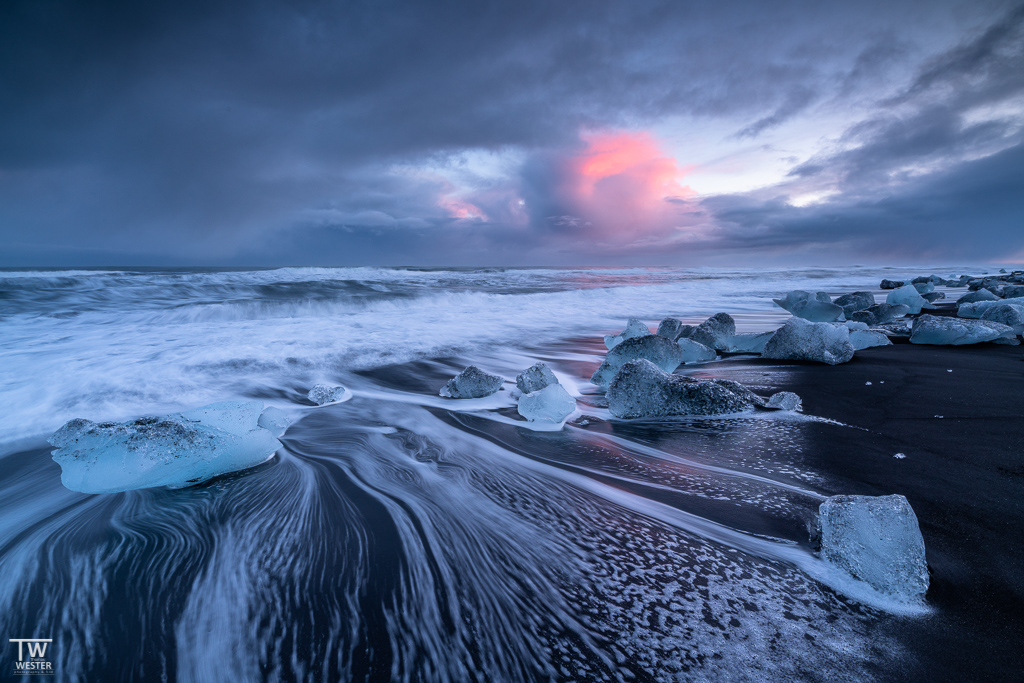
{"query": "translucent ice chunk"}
(274, 420)
(634, 328)
(816, 308)
(876, 540)
(535, 378)
(665, 354)
(784, 400)
(714, 332)
(975, 297)
(642, 389)
(472, 383)
(909, 297)
(672, 328)
(178, 450)
(802, 340)
(1006, 314)
(322, 394)
(857, 301)
(977, 309)
(550, 404)
(864, 339)
(930, 329)
(880, 313)
(695, 352)
(748, 343)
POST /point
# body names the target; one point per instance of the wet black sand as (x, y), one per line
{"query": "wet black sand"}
(963, 436)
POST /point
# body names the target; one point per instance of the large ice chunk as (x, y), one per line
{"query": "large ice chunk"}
(857, 301)
(550, 404)
(695, 352)
(930, 329)
(179, 450)
(1006, 314)
(977, 309)
(876, 539)
(666, 354)
(634, 328)
(714, 332)
(802, 340)
(817, 307)
(865, 339)
(880, 313)
(748, 343)
(974, 297)
(891, 284)
(472, 383)
(535, 378)
(642, 389)
(909, 297)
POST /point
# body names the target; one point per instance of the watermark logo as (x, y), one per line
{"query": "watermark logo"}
(32, 656)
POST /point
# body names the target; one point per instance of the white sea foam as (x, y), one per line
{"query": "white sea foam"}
(116, 344)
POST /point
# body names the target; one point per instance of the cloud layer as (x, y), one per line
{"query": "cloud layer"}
(535, 132)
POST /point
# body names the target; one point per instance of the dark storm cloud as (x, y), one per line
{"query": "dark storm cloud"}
(226, 131)
(921, 177)
(962, 213)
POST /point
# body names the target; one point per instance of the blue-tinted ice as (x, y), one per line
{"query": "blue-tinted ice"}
(876, 539)
(178, 450)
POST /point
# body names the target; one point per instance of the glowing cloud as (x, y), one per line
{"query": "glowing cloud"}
(623, 186)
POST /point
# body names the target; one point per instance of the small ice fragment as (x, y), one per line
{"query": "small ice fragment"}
(634, 328)
(695, 352)
(322, 394)
(900, 456)
(550, 404)
(784, 400)
(910, 297)
(472, 383)
(949, 371)
(939, 416)
(880, 313)
(865, 339)
(672, 328)
(535, 378)
(714, 332)
(748, 343)
(867, 384)
(274, 420)
(817, 307)
(857, 301)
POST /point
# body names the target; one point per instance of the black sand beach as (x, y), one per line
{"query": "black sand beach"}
(958, 416)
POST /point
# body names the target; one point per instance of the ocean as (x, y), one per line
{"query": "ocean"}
(398, 536)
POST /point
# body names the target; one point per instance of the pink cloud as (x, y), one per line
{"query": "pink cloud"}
(623, 187)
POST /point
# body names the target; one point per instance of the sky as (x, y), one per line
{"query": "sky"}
(307, 132)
